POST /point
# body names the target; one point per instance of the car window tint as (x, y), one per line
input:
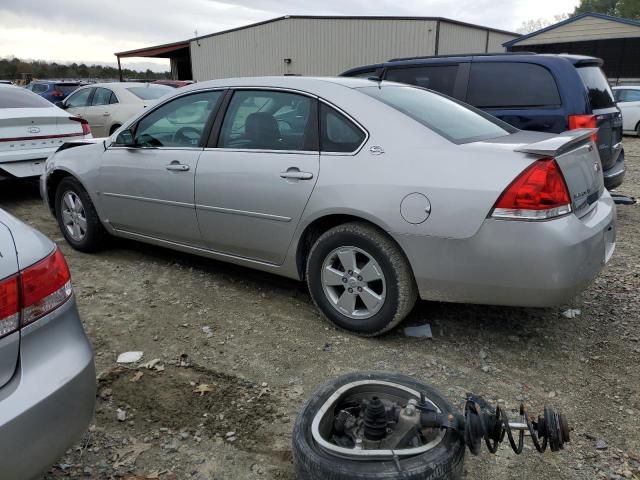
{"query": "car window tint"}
(628, 95)
(365, 73)
(600, 94)
(450, 118)
(150, 92)
(40, 88)
(67, 88)
(79, 99)
(179, 123)
(441, 78)
(511, 85)
(268, 120)
(337, 132)
(113, 99)
(16, 97)
(102, 96)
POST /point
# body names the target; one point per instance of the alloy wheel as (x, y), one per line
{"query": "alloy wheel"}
(73, 216)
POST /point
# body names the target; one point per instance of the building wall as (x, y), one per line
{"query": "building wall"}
(496, 40)
(587, 28)
(327, 46)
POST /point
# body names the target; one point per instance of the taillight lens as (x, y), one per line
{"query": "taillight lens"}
(86, 129)
(45, 286)
(584, 121)
(57, 93)
(9, 305)
(538, 193)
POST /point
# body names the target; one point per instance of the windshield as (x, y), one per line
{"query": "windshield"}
(150, 92)
(600, 94)
(457, 122)
(16, 97)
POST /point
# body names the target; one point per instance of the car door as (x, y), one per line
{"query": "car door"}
(254, 180)
(147, 183)
(629, 103)
(98, 113)
(77, 102)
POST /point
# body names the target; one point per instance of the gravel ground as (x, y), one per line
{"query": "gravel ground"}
(240, 350)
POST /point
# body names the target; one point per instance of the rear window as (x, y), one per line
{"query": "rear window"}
(600, 94)
(512, 85)
(16, 97)
(447, 117)
(441, 78)
(67, 88)
(151, 92)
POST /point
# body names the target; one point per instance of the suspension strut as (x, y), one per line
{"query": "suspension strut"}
(549, 430)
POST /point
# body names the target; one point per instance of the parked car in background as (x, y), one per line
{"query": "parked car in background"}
(31, 129)
(173, 83)
(377, 193)
(106, 106)
(47, 373)
(628, 98)
(6, 82)
(540, 92)
(52, 90)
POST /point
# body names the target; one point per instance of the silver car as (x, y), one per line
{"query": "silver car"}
(375, 193)
(47, 374)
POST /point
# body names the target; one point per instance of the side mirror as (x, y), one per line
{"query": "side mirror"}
(61, 105)
(125, 138)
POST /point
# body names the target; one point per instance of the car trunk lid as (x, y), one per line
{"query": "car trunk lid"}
(9, 342)
(580, 164)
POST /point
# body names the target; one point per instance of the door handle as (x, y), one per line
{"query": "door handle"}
(177, 167)
(106, 114)
(295, 174)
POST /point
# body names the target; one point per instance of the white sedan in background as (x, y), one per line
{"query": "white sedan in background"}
(106, 106)
(31, 129)
(628, 98)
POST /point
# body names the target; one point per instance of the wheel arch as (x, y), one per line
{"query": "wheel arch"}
(53, 180)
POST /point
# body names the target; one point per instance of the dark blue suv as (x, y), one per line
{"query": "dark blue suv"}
(54, 91)
(542, 92)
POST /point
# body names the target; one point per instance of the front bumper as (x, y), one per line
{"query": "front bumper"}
(527, 264)
(49, 402)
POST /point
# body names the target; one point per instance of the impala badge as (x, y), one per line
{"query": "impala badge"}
(33, 130)
(596, 167)
(376, 150)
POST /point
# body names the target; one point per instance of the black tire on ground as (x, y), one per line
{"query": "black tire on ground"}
(113, 129)
(401, 290)
(638, 130)
(443, 462)
(96, 235)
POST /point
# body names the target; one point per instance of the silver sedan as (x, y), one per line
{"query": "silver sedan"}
(375, 193)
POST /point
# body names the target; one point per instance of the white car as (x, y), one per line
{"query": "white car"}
(106, 106)
(628, 98)
(31, 129)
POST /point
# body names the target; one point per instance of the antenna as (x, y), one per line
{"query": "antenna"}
(195, 33)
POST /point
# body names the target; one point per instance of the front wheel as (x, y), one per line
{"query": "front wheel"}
(360, 279)
(77, 217)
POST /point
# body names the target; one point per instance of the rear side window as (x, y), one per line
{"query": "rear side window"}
(453, 120)
(338, 133)
(441, 78)
(600, 94)
(40, 88)
(102, 96)
(511, 85)
(16, 97)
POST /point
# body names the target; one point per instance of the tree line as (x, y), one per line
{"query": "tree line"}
(14, 68)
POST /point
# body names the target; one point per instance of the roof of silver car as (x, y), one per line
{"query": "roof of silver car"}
(297, 82)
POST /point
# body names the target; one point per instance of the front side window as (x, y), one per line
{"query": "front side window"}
(337, 132)
(101, 97)
(269, 120)
(441, 78)
(453, 120)
(511, 85)
(179, 123)
(79, 99)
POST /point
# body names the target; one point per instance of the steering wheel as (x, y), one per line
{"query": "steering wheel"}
(188, 136)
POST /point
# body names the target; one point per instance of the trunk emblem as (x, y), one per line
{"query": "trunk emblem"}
(596, 167)
(33, 130)
(376, 150)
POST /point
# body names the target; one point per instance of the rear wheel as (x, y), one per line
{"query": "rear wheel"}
(638, 129)
(77, 217)
(360, 279)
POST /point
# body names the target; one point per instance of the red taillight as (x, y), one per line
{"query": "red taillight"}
(86, 129)
(45, 286)
(57, 93)
(9, 305)
(584, 121)
(538, 193)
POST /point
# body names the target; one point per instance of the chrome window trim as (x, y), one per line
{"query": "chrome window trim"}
(352, 120)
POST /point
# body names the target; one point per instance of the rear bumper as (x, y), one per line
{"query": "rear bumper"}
(527, 264)
(49, 403)
(614, 176)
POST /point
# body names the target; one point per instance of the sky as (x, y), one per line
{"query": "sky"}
(90, 31)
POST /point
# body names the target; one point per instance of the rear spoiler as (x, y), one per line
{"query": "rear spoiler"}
(560, 143)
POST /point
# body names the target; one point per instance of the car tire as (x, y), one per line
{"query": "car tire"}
(396, 287)
(638, 130)
(444, 461)
(92, 237)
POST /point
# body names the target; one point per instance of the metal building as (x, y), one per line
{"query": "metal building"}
(615, 40)
(314, 45)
